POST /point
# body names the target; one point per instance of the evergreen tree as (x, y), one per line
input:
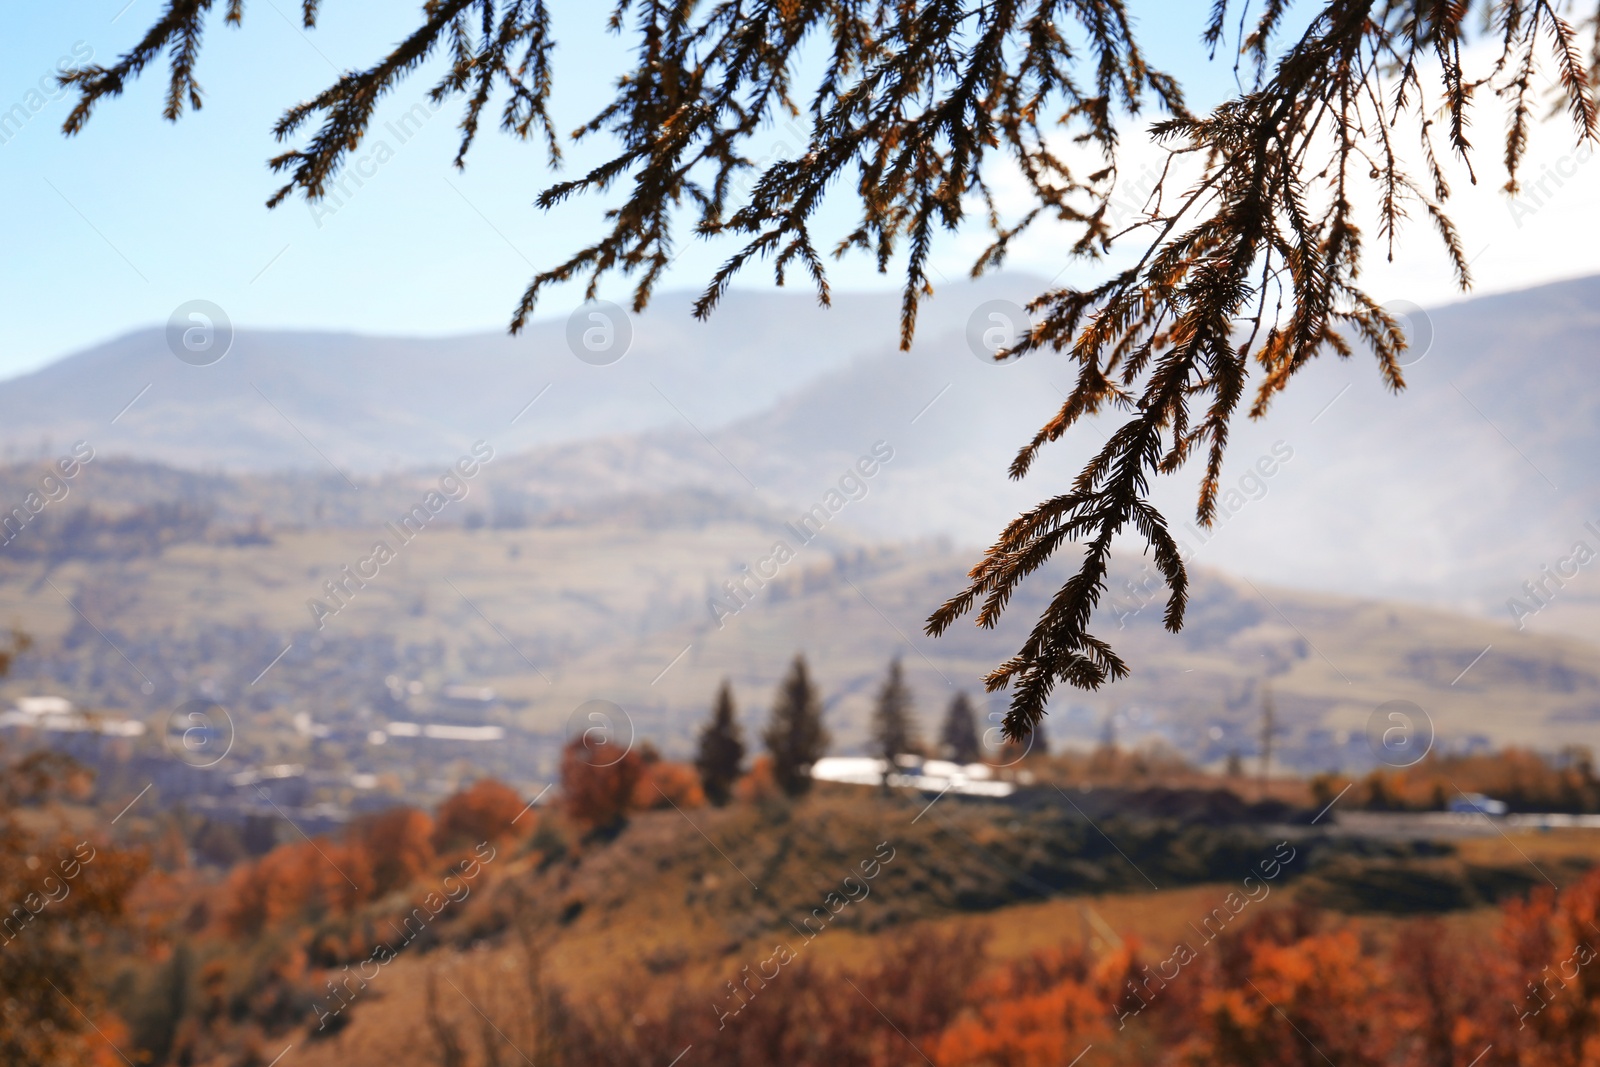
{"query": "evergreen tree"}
(795, 735)
(721, 749)
(893, 731)
(958, 738)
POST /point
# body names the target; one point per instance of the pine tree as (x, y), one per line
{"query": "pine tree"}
(958, 738)
(893, 731)
(721, 749)
(795, 735)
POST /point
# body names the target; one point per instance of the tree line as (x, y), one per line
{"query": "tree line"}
(92, 533)
(600, 788)
(796, 737)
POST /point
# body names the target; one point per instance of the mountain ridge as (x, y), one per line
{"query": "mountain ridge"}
(1455, 492)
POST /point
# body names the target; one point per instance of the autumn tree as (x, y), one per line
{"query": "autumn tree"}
(61, 893)
(484, 811)
(598, 785)
(304, 878)
(759, 785)
(893, 731)
(399, 844)
(958, 737)
(1549, 948)
(721, 749)
(1039, 1011)
(1452, 992)
(1250, 245)
(795, 736)
(1277, 998)
(667, 784)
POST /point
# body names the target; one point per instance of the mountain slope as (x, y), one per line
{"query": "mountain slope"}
(367, 404)
(1456, 491)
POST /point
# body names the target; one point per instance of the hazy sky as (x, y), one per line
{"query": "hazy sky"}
(113, 229)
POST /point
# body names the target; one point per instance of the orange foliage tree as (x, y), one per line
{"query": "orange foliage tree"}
(597, 785)
(283, 884)
(381, 853)
(399, 845)
(482, 812)
(1551, 962)
(1280, 992)
(759, 784)
(1449, 1001)
(1039, 1012)
(1524, 779)
(59, 895)
(663, 784)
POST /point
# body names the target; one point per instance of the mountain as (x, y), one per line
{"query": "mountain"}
(1459, 489)
(364, 405)
(1457, 492)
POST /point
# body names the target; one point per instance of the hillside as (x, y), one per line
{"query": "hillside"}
(645, 935)
(613, 601)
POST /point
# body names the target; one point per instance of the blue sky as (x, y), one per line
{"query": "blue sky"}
(113, 229)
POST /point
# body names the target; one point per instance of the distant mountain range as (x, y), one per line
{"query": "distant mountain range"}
(367, 405)
(1456, 492)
